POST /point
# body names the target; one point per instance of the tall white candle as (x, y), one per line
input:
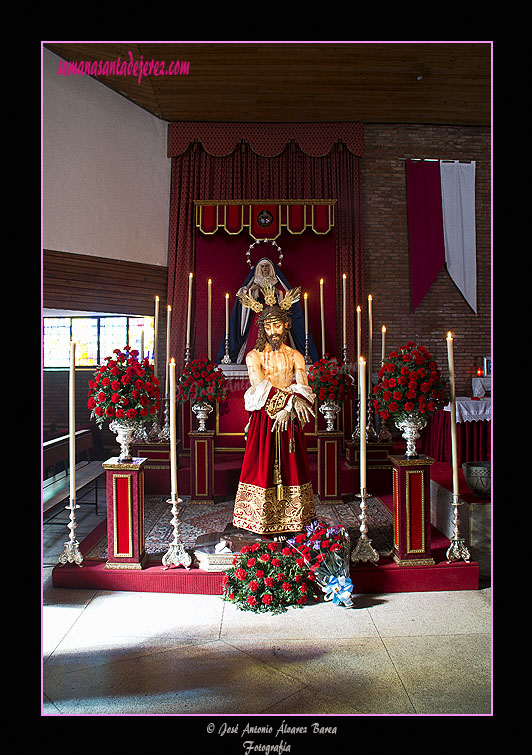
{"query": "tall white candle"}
(362, 383)
(155, 335)
(344, 310)
(209, 317)
(189, 307)
(359, 336)
(454, 445)
(305, 297)
(227, 315)
(168, 319)
(72, 419)
(322, 313)
(142, 344)
(173, 448)
(370, 339)
(383, 351)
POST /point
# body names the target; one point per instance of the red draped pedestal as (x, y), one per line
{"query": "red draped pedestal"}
(202, 467)
(411, 510)
(125, 514)
(329, 450)
(473, 439)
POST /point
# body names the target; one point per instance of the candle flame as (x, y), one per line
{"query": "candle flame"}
(305, 296)
(172, 360)
(321, 281)
(344, 276)
(358, 308)
(191, 275)
(156, 298)
(449, 336)
(209, 281)
(169, 308)
(370, 297)
(362, 360)
(227, 296)
(384, 328)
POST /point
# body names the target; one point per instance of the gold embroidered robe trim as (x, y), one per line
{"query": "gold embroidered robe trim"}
(259, 510)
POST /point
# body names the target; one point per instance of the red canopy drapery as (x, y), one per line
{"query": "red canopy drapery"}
(202, 169)
(264, 219)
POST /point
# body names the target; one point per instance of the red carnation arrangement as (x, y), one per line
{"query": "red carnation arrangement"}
(201, 380)
(266, 576)
(330, 380)
(124, 389)
(409, 382)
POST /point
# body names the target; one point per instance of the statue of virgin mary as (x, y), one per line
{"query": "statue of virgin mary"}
(243, 325)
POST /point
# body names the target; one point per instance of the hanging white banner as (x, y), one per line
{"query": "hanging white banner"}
(458, 205)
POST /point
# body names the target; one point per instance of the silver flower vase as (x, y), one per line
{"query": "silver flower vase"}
(126, 432)
(411, 426)
(202, 409)
(329, 410)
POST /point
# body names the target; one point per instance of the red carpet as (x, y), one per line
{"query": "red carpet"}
(387, 577)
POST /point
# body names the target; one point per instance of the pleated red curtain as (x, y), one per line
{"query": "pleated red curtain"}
(244, 174)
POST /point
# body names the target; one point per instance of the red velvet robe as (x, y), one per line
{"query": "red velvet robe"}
(261, 504)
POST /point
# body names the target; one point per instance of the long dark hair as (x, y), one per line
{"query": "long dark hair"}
(278, 314)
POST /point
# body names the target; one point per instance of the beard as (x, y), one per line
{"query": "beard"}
(276, 341)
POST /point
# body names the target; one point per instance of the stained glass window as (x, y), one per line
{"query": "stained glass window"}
(85, 334)
(56, 341)
(96, 338)
(113, 335)
(141, 335)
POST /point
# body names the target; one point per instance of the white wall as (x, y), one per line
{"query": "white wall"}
(106, 177)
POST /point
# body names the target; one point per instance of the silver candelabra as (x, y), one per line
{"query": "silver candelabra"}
(72, 553)
(176, 554)
(226, 358)
(364, 551)
(457, 549)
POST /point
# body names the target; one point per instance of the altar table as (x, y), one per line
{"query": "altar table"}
(473, 432)
(481, 386)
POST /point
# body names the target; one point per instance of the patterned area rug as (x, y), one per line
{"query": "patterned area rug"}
(199, 519)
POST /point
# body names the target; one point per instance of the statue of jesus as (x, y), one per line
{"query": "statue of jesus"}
(274, 493)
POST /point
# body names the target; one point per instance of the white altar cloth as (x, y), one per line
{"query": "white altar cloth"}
(481, 385)
(468, 410)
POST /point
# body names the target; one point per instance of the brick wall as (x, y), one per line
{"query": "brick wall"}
(387, 265)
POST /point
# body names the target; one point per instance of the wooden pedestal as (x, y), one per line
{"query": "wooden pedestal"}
(329, 449)
(202, 467)
(125, 514)
(411, 509)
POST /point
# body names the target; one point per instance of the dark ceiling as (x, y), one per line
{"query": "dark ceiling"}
(386, 82)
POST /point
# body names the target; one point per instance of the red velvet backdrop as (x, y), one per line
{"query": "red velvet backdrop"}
(222, 257)
(264, 161)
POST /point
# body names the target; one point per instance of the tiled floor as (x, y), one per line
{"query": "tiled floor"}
(128, 653)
